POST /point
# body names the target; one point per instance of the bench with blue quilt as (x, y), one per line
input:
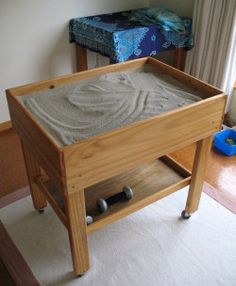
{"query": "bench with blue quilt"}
(132, 34)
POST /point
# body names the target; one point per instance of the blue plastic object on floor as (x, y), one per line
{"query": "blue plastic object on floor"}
(222, 145)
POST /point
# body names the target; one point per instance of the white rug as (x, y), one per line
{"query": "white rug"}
(151, 247)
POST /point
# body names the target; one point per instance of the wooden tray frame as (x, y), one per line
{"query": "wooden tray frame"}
(73, 168)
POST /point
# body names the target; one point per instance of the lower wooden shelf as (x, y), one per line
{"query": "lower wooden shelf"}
(149, 182)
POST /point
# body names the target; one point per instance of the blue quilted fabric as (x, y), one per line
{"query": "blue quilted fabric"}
(116, 36)
(168, 20)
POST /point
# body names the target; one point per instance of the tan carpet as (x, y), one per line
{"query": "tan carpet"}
(151, 247)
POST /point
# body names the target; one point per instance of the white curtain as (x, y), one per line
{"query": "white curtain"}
(213, 58)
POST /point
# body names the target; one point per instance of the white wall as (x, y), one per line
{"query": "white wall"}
(34, 38)
(181, 7)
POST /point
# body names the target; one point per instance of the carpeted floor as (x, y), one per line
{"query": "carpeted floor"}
(151, 247)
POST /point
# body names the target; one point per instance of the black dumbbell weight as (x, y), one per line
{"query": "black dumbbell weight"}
(125, 195)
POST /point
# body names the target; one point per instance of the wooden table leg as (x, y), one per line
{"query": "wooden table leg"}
(198, 174)
(33, 170)
(77, 228)
(81, 58)
(179, 58)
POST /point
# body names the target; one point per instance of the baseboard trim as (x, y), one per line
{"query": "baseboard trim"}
(14, 196)
(5, 126)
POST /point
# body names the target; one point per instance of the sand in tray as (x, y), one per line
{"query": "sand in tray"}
(77, 111)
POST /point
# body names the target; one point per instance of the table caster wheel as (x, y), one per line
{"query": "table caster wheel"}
(185, 215)
(41, 211)
(81, 274)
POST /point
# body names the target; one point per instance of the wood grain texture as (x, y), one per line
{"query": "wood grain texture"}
(82, 63)
(185, 156)
(81, 58)
(81, 165)
(179, 58)
(220, 172)
(14, 261)
(61, 80)
(34, 171)
(36, 140)
(57, 206)
(12, 167)
(4, 126)
(107, 155)
(207, 89)
(145, 179)
(149, 182)
(77, 229)
(175, 165)
(139, 204)
(198, 174)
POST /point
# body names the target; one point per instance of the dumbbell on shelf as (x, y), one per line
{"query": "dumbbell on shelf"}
(125, 195)
(89, 219)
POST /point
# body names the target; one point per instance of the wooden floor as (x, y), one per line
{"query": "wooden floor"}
(12, 167)
(221, 174)
(221, 169)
